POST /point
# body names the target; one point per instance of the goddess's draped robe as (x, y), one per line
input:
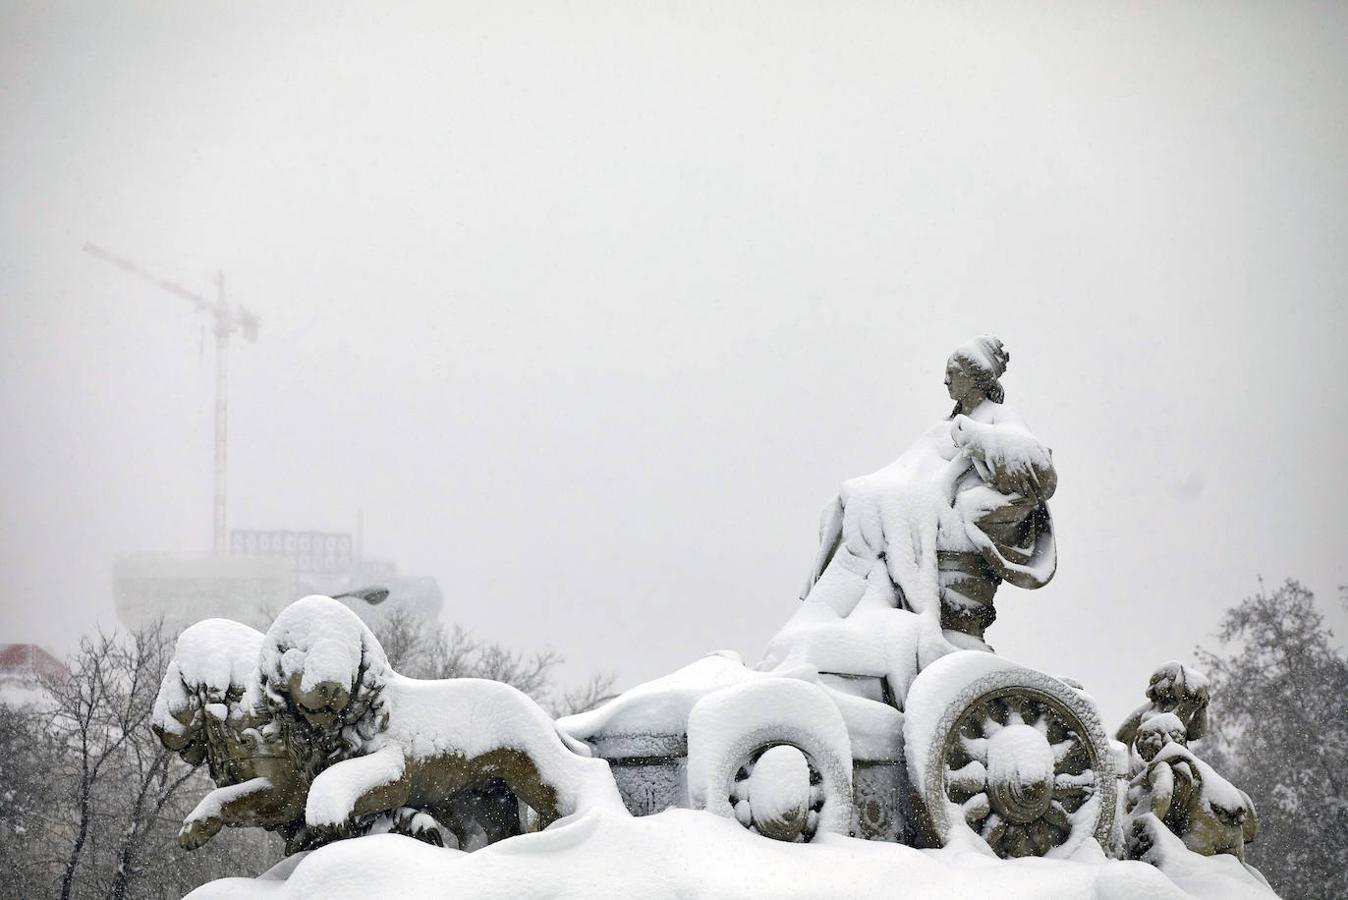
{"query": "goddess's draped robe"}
(911, 556)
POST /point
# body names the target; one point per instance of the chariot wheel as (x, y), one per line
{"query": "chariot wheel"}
(774, 755)
(778, 792)
(1008, 759)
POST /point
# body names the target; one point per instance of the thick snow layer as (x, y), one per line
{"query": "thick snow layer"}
(214, 654)
(322, 639)
(317, 642)
(873, 641)
(469, 717)
(681, 853)
(1217, 791)
(662, 706)
(218, 653)
(873, 597)
(209, 807)
(939, 689)
(1199, 875)
(1006, 453)
(727, 726)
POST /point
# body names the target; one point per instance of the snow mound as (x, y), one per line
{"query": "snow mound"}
(660, 706)
(682, 853)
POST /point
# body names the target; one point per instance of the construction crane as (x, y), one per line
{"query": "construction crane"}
(227, 319)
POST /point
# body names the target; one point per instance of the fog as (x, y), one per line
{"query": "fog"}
(589, 308)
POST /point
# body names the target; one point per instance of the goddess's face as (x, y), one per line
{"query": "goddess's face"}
(959, 383)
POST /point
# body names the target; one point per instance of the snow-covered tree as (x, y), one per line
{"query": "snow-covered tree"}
(1280, 732)
(422, 649)
(89, 799)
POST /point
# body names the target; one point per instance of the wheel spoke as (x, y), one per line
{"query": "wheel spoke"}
(977, 748)
(1073, 790)
(1056, 816)
(976, 809)
(994, 829)
(971, 778)
(1040, 837)
(1072, 784)
(1018, 842)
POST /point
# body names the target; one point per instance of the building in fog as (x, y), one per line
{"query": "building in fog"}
(264, 572)
(183, 589)
(22, 668)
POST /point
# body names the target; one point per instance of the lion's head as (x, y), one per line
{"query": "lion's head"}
(322, 671)
(208, 702)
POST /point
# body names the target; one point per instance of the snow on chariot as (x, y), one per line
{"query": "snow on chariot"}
(879, 711)
(984, 750)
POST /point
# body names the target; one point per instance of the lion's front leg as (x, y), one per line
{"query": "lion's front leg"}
(235, 804)
(358, 787)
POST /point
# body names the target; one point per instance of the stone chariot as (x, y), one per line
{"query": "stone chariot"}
(879, 710)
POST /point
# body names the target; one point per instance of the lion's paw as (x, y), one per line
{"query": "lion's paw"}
(197, 831)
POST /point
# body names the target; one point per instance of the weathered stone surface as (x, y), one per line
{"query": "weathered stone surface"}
(1170, 783)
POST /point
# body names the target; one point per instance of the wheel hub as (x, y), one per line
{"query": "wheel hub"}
(1020, 773)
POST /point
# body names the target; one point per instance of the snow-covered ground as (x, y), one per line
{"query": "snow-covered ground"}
(682, 853)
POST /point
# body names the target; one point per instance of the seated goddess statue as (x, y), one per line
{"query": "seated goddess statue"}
(933, 533)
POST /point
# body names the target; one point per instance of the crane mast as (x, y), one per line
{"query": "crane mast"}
(226, 320)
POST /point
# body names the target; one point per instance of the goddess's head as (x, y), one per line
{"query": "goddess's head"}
(973, 371)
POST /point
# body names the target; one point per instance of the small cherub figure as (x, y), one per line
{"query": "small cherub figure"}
(1202, 808)
(1173, 688)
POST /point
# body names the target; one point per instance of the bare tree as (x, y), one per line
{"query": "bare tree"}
(100, 707)
(30, 793)
(404, 637)
(90, 800)
(423, 649)
(585, 698)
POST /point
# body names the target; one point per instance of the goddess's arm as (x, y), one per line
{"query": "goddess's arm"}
(1007, 455)
(1006, 516)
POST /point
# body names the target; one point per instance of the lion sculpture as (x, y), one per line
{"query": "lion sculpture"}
(308, 731)
(370, 741)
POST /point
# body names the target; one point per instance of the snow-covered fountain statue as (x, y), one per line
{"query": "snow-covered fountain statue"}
(879, 711)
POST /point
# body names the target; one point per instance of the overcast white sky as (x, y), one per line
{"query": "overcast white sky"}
(590, 307)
